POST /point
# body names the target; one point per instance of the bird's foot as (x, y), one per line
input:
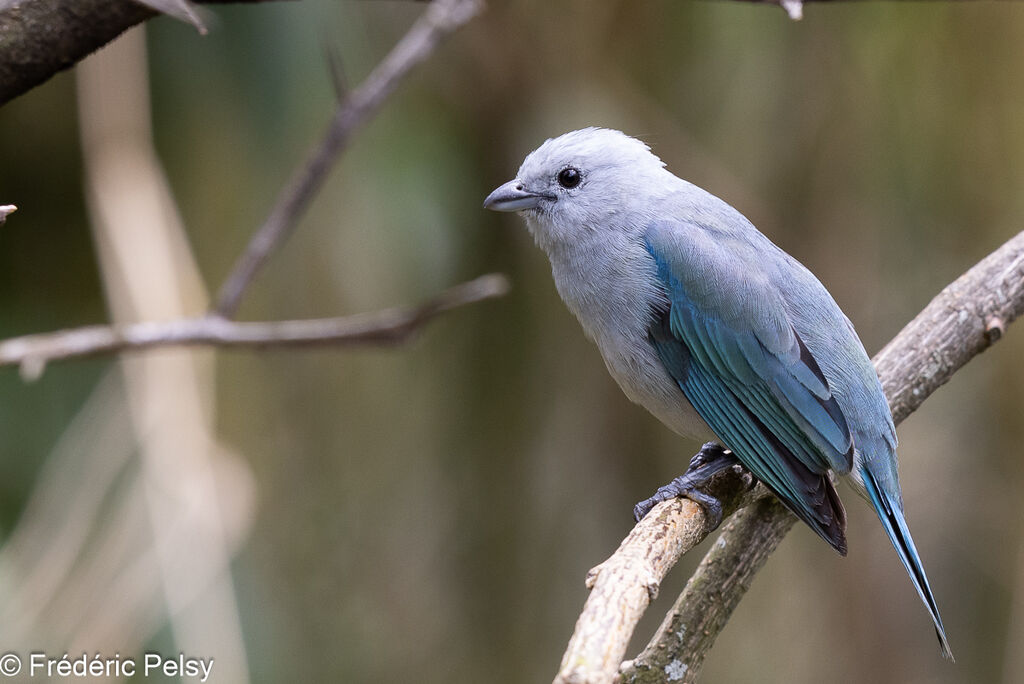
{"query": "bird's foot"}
(708, 462)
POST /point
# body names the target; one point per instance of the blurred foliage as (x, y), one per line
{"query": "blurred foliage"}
(428, 513)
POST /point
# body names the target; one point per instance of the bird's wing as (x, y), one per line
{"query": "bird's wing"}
(728, 342)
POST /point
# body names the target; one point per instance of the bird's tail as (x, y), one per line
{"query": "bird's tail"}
(890, 512)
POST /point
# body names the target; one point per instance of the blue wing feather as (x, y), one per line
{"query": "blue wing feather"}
(740, 362)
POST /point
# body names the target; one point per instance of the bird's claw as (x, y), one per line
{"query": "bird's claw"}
(682, 486)
(708, 462)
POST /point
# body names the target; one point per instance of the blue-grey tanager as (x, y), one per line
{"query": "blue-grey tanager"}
(720, 334)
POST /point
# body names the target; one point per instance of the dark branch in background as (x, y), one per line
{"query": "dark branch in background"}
(39, 38)
(32, 352)
(439, 19)
(966, 318)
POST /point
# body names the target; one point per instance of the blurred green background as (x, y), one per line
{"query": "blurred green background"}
(428, 512)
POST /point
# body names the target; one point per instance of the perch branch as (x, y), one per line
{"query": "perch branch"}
(5, 211)
(32, 352)
(963, 320)
(439, 19)
(622, 587)
(711, 594)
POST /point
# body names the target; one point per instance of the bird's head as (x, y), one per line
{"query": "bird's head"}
(582, 182)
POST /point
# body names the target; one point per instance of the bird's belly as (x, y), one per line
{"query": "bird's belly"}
(644, 380)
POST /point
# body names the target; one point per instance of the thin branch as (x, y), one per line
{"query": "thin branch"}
(440, 18)
(395, 325)
(966, 318)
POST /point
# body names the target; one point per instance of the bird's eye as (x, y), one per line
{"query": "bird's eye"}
(569, 177)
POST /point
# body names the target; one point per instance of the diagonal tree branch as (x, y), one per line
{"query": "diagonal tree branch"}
(395, 325)
(963, 320)
(439, 19)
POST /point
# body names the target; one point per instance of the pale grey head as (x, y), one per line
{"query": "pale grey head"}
(583, 180)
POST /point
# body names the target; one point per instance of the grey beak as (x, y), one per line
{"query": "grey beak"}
(513, 196)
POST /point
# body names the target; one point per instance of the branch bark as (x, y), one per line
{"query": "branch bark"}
(395, 325)
(711, 594)
(963, 320)
(623, 586)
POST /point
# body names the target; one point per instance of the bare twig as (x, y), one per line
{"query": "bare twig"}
(386, 326)
(966, 318)
(439, 19)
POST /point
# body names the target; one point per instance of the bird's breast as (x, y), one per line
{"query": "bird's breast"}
(614, 293)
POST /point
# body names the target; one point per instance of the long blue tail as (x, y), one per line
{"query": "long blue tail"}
(891, 515)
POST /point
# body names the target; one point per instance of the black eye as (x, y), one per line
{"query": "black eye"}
(569, 177)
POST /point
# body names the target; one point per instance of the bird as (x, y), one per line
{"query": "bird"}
(716, 331)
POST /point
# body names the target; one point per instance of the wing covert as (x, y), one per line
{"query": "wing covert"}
(728, 343)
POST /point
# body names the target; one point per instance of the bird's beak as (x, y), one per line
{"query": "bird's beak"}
(513, 196)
